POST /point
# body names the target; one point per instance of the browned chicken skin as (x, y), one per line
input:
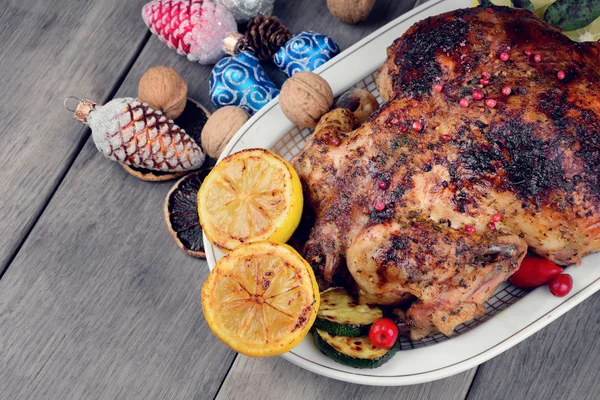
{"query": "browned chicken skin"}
(394, 202)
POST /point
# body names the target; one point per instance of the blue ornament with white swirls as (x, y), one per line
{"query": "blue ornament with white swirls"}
(241, 81)
(305, 51)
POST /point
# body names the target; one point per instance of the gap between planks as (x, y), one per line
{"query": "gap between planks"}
(83, 140)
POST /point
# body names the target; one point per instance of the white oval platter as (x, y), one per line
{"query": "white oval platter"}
(505, 326)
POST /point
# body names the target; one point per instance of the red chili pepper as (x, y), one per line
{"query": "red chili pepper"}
(561, 285)
(534, 272)
(383, 333)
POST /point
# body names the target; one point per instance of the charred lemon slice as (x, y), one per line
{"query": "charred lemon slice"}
(261, 299)
(250, 196)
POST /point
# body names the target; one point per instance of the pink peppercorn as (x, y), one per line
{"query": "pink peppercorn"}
(561, 75)
(497, 217)
(417, 126)
(477, 95)
(504, 56)
(381, 185)
(438, 87)
(537, 58)
(335, 141)
(446, 138)
(469, 228)
(464, 103)
(506, 90)
(489, 10)
(394, 121)
(528, 52)
(402, 128)
(491, 226)
(484, 82)
(380, 206)
(491, 103)
(486, 74)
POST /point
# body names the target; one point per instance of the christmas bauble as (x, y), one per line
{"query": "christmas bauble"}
(195, 28)
(244, 10)
(305, 51)
(132, 133)
(241, 81)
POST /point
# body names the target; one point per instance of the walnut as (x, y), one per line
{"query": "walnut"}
(162, 88)
(350, 11)
(304, 98)
(220, 128)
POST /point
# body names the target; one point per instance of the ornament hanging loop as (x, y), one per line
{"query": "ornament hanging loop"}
(68, 101)
(83, 108)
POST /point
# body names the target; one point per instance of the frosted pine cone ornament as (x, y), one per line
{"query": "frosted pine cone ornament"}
(132, 133)
(195, 28)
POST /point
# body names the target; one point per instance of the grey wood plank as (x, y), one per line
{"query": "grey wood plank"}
(559, 362)
(48, 50)
(101, 304)
(273, 378)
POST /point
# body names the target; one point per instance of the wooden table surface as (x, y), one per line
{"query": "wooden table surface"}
(97, 302)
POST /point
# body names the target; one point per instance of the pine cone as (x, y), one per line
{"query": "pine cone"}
(132, 133)
(266, 35)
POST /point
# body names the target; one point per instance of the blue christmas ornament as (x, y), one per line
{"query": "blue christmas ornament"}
(305, 51)
(241, 81)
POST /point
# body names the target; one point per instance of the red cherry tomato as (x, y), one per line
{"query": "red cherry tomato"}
(383, 333)
(561, 285)
(534, 272)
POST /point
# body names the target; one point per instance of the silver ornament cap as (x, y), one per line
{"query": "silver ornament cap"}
(245, 10)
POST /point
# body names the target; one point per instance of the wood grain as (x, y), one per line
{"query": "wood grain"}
(559, 362)
(101, 303)
(275, 378)
(49, 50)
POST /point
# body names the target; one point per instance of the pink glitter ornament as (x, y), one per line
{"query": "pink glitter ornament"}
(195, 28)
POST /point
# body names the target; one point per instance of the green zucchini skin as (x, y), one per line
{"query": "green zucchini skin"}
(362, 363)
(525, 4)
(570, 15)
(342, 329)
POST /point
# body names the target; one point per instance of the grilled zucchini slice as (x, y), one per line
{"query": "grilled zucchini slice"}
(356, 352)
(340, 314)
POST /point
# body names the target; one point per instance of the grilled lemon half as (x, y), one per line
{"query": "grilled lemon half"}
(261, 299)
(250, 196)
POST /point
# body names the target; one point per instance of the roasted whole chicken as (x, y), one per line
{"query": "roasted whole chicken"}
(488, 145)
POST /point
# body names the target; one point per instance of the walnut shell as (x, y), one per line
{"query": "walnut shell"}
(220, 128)
(360, 101)
(304, 98)
(162, 88)
(350, 11)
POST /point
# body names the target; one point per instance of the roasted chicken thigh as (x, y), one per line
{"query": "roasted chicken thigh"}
(488, 115)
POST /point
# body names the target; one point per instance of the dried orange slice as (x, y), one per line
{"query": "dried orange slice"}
(261, 299)
(250, 196)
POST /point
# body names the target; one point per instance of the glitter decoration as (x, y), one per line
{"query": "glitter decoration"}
(241, 81)
(305, 51)
(194, 28)
(245, 10)
(132, 133)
